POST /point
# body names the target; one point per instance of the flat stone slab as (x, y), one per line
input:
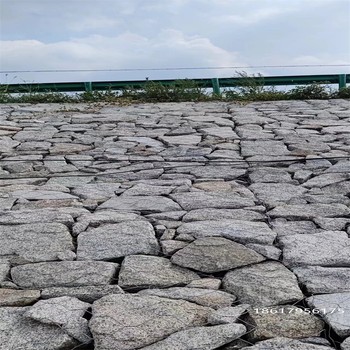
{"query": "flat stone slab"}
(85, 293)
(215, 254)
(200, 338)
(149, 204)
(117, 240)
(264, 148)
(19, 332)
(181, 139)
(215, 299)
(66, 313)
(283, 321)
(198, 200)
(226, 315)
(334, 309)
(35, 242)
(264, 284)
(327, 248)
(99, 191)
(141, 271)
(324, 280)
(18, 297)
(64, 274)
(279, 343)
(151, 318)
(218, 214)
(309, 211)
(237, 230)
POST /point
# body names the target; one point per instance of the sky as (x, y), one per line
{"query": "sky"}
(147, 34)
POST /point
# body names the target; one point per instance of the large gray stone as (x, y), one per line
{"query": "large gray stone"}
(264, 284)
(142, 271)
(224, 132)
(282, 321)
(218, 172)
(4, 269)
(64, 312)
(147, 204)
(309, 211)
(198, 200)
(215, 254)
(264, 148)
(279, 343)
(225, 315)
(335, 310)
(181, 139)
(35, 242)
(327, 248)
(237, 230)
(98, 192)
(117, 240)
(323, 280)
(274, 193)
(127, 321)
(215, 299)
(345, 345)
(64, 274)
(16, 217)
(85, 293)
(219, 214)
(18, 297)
(204, 338)
(19, 332)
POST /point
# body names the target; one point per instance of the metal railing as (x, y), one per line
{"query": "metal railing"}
(214, 83)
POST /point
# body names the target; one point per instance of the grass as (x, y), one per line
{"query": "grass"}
(182, 91)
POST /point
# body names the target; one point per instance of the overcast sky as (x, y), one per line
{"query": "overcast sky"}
(117, 34)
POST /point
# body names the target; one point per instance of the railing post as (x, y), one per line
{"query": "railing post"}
(88, 86)
(342, 81)
(216, 86)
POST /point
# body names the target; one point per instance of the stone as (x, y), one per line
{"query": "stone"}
(336, 224)
(264, 284)
(146, 204)
(34, 242)
(279, 343)
(345, 345)
(143, 189)
(17, 297)
(282, 321)
(237, 230)
(309, 211)
(4, 269)
(287, 228)
(215, 299)
(264, 148)
(64, 312)
(16, 217)
(85, 293)
(224, 132)
(68, 148)
(267, 175)
(19, 332)
(334, 309)
(268, 251)
(198, 200)
(215, 254)
(64, 274)
(181, 140)
(170, 246)
(150, 318)
(206, 283)
(117, 240)
(324, 280)
(274, 193)
(36, 134)
(217, 172)
(226, 315)
(142, 271)
(218, 214)
(327, 248)
(99, 191)
(205, 338)
(325, 180)
(42, 195)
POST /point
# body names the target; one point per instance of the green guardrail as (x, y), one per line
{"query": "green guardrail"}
(214, 83)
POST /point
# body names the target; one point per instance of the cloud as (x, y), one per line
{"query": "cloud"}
(170, 48)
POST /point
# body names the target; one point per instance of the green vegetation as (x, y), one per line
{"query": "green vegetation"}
(181, 91)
